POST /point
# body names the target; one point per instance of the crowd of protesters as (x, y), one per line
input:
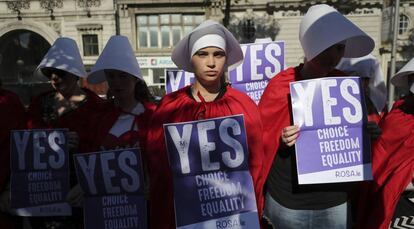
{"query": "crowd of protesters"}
(128, 118)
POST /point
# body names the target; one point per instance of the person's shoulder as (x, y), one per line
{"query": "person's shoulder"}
(286, 74)
(92, 96)
(398, 103)
(36, 100)
(10, 98)
(284, 77)
(240, 96)
(150, 106)
(278, 88)
(174, 97)
(279, 84)
(8, 94)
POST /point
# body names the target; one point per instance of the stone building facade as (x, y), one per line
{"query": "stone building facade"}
(29, 27)
(155, 26)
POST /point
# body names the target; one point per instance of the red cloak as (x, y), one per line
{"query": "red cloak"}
(12, 117)
(105, 121)
(392, 168)
(274, 107)
(179, 107)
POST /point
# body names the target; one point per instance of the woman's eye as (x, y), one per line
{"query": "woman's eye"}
(220, 54)
(202, 54)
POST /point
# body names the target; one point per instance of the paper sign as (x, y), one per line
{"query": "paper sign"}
(333, 145)
(176, 79)
(262, 61)
(39, 172)
(114, 190)
(213, 187)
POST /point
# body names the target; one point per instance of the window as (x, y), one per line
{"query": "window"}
(90, 45)
(164, 30)
(144, 72)
(142, 22)
(403, 24)
(158, 75)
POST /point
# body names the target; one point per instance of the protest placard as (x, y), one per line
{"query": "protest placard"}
(39, 172)
(262, 61)
(333, 144)
(113, 187)
(176, 79)
(209, 160)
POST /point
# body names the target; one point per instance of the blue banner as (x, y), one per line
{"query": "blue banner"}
(209, 160)
(39, 172)
(333, 145)
(114, 189)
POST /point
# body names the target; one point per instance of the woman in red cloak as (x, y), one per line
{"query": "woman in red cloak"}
(67, 106)
(392, 160)
(288, 204)
(206, 51)
(126, 120)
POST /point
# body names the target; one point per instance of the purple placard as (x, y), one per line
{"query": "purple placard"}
(39, 172)
(262, 61)
(114, 190)
(209, 159)
(333, 145)
(176, 79)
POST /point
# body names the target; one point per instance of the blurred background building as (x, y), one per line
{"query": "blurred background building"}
(29, 27)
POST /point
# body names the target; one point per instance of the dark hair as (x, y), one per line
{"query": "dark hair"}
(48, 71)
(142, 92)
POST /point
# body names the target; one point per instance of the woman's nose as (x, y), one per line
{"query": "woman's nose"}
(211, 61)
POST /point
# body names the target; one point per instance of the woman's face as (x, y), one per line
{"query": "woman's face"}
(121, 84)
(63, 82)
(209, 64)
(327, 60)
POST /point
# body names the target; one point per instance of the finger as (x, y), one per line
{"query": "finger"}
(288, 128)
(290, 132)
(291, 143)
(288, 140)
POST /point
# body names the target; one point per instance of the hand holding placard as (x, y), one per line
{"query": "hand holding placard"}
(333, 145)
(289, 135)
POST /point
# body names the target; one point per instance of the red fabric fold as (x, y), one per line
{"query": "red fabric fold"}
(392, 168)
(12, 117)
